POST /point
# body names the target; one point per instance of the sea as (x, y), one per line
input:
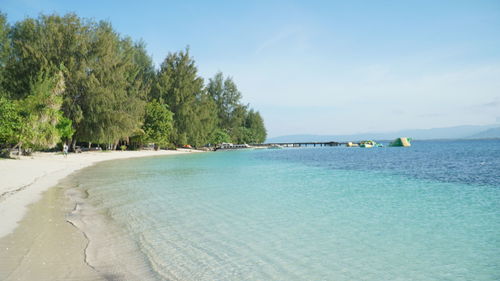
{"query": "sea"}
(426, 212)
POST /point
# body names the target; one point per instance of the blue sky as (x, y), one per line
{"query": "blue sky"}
(326, 67)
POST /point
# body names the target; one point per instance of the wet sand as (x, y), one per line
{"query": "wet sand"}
(45, 246)
(23, 181)
(41, 223)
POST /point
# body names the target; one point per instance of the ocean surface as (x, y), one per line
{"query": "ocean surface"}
(427, 212)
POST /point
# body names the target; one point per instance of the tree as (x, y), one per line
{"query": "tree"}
(113, 104)
(71, 77)
(51, 41)
(204, 121)
(4, 50)
(11, 122)
(41, 111)
(158, 123)
(65, 129)
(33, 121)
(255, 124)
(227, 98)
(242, 125)
(144, 69)
(219, 136)
(179, 86)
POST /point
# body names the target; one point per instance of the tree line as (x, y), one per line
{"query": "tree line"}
(67, 79)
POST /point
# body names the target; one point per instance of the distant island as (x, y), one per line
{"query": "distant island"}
(76, 81)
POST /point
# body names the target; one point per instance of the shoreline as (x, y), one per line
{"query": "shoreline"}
(45, 246)
(24, 180)
(42, 234)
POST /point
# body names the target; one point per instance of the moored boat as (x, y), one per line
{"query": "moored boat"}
(367, 144)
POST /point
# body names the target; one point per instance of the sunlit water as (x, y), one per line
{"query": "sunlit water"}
(428, 212)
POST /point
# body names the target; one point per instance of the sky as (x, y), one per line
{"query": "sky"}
(325, 67)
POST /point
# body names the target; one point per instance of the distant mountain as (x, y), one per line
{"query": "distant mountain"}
(493, 133)
(458, 132)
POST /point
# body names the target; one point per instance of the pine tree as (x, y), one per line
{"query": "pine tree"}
(179, 86)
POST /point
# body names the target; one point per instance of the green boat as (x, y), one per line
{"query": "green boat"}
(368, 143)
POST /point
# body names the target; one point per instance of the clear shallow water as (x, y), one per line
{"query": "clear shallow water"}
(429, 212)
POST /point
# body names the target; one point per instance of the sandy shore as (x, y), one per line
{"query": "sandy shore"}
(22, 181)
(36, 239)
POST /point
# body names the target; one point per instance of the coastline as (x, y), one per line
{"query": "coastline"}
(24, 180)
(37, 239)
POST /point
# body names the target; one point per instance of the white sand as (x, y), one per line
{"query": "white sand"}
(23, 181)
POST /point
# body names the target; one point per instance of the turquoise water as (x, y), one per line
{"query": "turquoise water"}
(429, 212)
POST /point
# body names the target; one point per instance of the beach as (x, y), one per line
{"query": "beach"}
(37, 242)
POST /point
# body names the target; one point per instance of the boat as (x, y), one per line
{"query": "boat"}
(351, 144)
(367, 144)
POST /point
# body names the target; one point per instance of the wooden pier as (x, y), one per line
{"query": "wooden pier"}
(302, 144)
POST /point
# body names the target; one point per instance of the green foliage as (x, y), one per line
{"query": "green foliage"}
(113, 104)
(219, 136)
(65, 128)
(41, 111)
(179, 86)
(32, 121)
(158, 124)
(69, 78)
(4, 49)
(181, 139)
(227, 98)
(243, 125)
(205, 122)
(144, 68)
(11, 122)
(255, 125)
(104, 74)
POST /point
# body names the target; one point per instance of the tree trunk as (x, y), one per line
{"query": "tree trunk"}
(90, 144)
(73, 144)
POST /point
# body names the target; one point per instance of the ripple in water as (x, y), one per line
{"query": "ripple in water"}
(430, 212)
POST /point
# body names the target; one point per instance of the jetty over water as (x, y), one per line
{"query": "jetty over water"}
(301, 144)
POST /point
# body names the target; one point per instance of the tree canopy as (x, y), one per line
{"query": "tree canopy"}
(243, 125)
(72, 79)
(158, 124)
